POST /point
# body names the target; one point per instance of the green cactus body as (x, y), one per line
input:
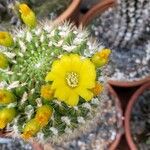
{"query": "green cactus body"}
(31, 58)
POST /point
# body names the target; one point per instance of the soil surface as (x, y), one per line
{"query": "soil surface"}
(140, 121)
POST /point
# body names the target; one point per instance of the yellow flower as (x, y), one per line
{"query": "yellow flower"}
(97, 89)
(6, 116)
(6, 39)
(101, 58)
(72, 77)
(6, 96)
(43, 115)
(3, 61)
(30, 129)
(46, 92)
(27, 15)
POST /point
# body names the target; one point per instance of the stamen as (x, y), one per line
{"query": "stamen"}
(72, 79)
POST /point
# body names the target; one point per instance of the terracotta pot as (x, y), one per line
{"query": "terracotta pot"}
(115, 143)
(129, 83)
(69, 13)
(95, 11)
(128, 112)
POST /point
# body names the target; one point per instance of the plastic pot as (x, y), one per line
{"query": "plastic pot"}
(128, 112)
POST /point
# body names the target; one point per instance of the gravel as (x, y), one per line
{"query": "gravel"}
(140, 123)
(14, 144)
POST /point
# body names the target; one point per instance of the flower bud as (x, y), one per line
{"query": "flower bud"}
(6, 116)
(46, 92)
(6, 39)
(101, 58)
(3, 61)
(30, 129)
(6, 97)
(97, 89)
(27, 15)
(43, 115)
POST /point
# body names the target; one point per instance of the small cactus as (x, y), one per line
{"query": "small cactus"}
(53, 78)
(126, 30)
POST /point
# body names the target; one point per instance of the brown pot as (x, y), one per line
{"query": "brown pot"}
(95, 11)
(128, 112)
(115, 143)
(69, 13)
(129, 83)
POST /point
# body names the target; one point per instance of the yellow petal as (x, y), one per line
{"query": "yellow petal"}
(86, 94)
(50, 77)
(75, 63)
(65, 62)
(60, 82)
(73, 99)
(87, 74)
(61, 95)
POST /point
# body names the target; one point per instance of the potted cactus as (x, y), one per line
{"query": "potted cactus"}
(137, 119)
(52, 82)
(55, 10)
(124, 28)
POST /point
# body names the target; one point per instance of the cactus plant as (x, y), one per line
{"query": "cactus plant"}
(127, 33)
(52, 74)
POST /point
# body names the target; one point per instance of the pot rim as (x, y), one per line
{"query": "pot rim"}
(95, 11)
(68, 12)
(115, 143)
(129, 83)
(128, 112)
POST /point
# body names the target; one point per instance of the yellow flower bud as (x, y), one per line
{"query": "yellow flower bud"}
(27, 15)
(6, 116)
(101, 58)
(97, 89)
(30, 129)
(46, 92)
(3, 61)
(43, 115)
(6, 96)
(6, 39)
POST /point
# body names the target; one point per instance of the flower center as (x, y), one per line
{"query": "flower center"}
(72, 79)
